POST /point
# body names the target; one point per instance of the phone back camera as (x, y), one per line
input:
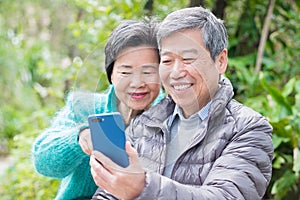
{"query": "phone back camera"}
(98, 120)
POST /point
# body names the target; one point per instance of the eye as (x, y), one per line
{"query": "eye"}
(149, 72)
(166, 61)
(188, 60)
(124, 73)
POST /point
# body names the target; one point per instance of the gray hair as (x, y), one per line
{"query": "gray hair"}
(214, 33)
(129, 33)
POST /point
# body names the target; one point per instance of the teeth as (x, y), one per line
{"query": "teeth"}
(181, 87)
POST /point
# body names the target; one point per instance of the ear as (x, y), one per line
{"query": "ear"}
(112, 75)
(222, 61)
(112, 79)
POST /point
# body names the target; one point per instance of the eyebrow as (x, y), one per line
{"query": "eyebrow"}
(194, 51)
(143, 66)
(149, 66)
(125, 66)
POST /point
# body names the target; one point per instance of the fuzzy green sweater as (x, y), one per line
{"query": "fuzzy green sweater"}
(56, 152)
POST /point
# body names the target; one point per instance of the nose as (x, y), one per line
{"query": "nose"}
(178, 70)
(137, 81)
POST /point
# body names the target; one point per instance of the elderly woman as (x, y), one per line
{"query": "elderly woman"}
(131, 62)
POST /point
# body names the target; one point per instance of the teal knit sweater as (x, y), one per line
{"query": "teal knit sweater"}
(57, 153)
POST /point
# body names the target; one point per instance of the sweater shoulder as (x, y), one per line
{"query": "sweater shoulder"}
(85, 102)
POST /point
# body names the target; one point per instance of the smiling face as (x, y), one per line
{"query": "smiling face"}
(187, 70)
(135, 77)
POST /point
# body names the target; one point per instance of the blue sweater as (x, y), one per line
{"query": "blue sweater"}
(57, 153)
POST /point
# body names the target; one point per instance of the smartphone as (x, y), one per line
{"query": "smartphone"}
(108, 137)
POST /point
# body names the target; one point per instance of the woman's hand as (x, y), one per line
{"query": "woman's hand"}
(123, 183)
(85, 141)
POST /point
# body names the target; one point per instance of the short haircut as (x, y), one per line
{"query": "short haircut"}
(214, 33)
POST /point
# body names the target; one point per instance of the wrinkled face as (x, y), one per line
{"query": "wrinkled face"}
(187, 70)
(135, 77)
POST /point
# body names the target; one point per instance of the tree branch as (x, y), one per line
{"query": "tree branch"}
(264, 35)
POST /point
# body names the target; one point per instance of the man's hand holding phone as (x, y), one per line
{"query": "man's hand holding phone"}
(114, 164)
(130, 181)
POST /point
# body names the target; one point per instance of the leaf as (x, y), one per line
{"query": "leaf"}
(288, 88)
(278, 140)
(297, 86)
(278, 161)
(284, 183)
(276, 95)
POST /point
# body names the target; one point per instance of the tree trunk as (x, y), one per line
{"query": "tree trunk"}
(149, 7)
(264, 36)
(194, 3)
(219, 8)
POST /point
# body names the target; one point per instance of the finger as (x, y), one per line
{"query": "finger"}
(106, 162)
(88, 141)
(83, 141)
(96, 174)
(82, 145)
(135, 166)
(99, 172)
(94, 162)
(132, 153)
(87, 148)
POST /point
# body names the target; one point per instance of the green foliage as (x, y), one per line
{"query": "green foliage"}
(285, 117)
(51, 47)
(21, 180)
(275, 93)
(240, 72)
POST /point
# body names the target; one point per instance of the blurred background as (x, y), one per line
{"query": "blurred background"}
(50, 47)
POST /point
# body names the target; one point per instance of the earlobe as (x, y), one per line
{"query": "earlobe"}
(222, 61)
(112, 78)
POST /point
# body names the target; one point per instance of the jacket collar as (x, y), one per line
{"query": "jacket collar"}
(222, 97)
(156, 115)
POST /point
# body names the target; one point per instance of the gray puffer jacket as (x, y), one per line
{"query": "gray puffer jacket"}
(231, 160)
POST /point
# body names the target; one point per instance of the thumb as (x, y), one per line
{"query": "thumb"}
(132, 153)
(135, 166)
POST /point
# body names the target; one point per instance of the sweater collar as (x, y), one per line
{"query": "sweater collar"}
(111, 103)
(203, 113)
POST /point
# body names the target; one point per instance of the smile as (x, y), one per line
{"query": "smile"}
(182, 87)
(138, 95)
